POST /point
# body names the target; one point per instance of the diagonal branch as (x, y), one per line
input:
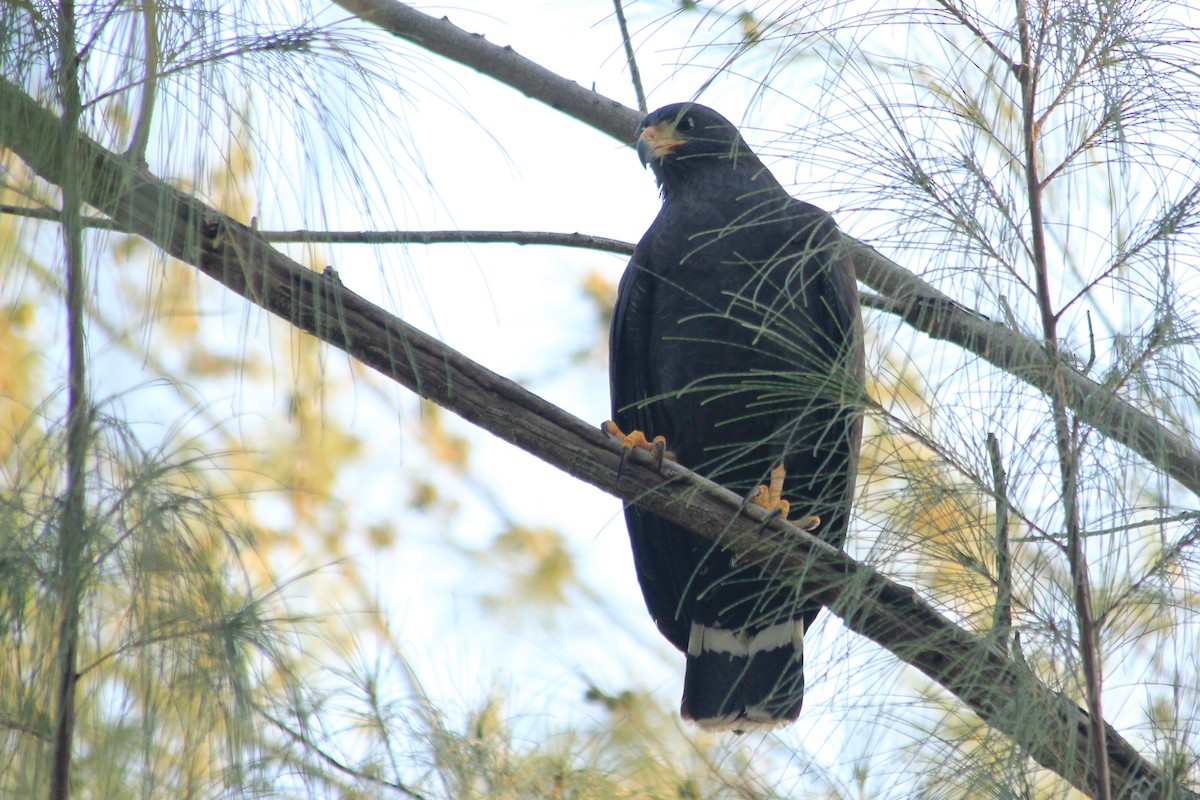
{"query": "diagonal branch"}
(915, 300)
(1049, 726)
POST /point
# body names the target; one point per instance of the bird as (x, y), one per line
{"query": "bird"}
(736, 350)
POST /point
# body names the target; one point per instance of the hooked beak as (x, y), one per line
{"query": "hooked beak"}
(656, 141)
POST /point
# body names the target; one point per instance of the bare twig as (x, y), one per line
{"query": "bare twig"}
(53, 215)
(1002, 613)
(630, 59)
(580, 240)
(141, 130)
(583, 241)
(297, 38)
(1162, 562)
(995, 686)
(960, 15)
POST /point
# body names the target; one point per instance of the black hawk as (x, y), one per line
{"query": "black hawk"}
(735, 337)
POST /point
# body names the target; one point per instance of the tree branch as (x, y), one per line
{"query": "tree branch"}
(140, 138)
(584, 241)
(916, 301)
(73, 527)
(999, 690)
(631, 58)
(1002, 613)
(580, 240)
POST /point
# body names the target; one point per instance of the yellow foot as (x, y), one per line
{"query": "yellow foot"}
(770, 497)
(657, 446)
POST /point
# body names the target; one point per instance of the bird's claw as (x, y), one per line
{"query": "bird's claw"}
(770, 498)
(657, 446)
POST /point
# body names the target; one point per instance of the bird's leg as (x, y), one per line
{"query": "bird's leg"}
(770, 497)
(657, 446)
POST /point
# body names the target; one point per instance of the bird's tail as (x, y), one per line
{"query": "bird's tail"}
(744, 680)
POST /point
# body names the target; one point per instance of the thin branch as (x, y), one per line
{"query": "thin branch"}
(1108, 121)
(961, 17)
(1065, 440)
(997, 688)
(336, 763)
(141, 130)
(584, 241)
(53, 215)
(73, 527)
(1161, 563)
(630, 59)
(1081, 67)
(1168, 224)
(1002, 613)
(282, 41)
(580, 240)
(911, 297)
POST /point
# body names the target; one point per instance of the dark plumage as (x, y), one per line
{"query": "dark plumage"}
(736, 336)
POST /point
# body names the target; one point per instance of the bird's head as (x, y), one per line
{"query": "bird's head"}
(686, 138)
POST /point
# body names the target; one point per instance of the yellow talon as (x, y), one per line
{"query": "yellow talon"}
(635, 438)
(657, 445)
(638, 439)
(770, 498)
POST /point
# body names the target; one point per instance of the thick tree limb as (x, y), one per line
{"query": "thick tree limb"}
(1050, 727)
(916, 301)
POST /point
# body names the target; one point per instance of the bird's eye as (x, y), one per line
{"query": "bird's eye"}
(685, 125)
